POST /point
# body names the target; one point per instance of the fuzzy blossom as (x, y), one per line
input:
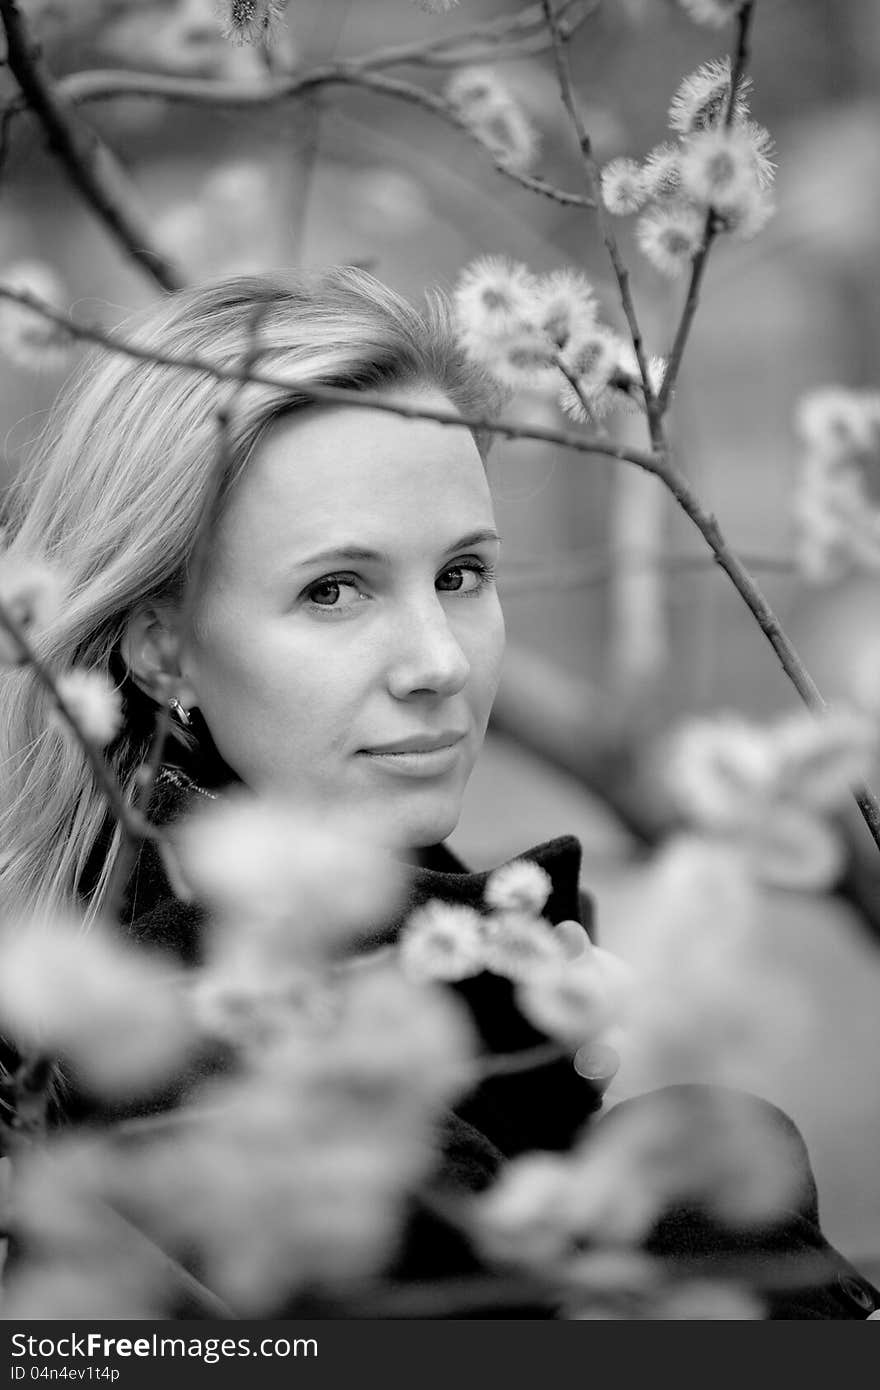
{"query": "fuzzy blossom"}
(707, 1300)
(661, 172)
(819, 761)
(701, 100)
(624, 189)
(273, 1190)
(608, 376)
(518, 943)
(26, 336)
(670, 237)
(32, 593)
(564, 308)
(840, 421)
(93, 701)
(575, 1000)
(529, 331)
(250, 21)
(493, 298)
(494, 117)
(770, 789)
(475, 89)
(747, 216)
(271, 863)
(523, 1218)
(592, 366)
(837, 522)
(702, 1002)
(114, 1011)
(520, 885)
(762, 146)
(836, 512)
(734, 1155)
(713, 13)
(718, 167)
(719, 769)
(392, 1044)
(628, 367)
(442, 941)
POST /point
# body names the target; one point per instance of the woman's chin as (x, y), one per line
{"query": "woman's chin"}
(419, 827)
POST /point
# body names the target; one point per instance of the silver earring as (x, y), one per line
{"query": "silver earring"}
(177, 709)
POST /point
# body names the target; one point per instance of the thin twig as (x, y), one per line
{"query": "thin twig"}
(591, 171)
(89, 164)
(334, 395)
(767, 620)
(512, 1063)
(711, 228)
(103, 86)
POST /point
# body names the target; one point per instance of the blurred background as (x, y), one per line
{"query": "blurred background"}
(619, 623)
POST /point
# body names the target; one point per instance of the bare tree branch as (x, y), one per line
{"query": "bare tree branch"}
(333, 395)
(89, 164)
(670, 377)
(107, 85)
(591, 171)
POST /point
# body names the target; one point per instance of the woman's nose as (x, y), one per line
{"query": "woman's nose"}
(427, 655)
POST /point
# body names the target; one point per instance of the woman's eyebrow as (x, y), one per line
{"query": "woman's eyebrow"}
(347, 551)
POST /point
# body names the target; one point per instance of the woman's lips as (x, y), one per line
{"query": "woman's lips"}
(412, 763)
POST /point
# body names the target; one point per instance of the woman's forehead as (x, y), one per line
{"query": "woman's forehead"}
(354, 476)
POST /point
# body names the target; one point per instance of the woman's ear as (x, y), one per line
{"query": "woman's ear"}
(149, 648)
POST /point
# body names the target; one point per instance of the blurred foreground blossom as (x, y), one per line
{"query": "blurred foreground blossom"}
(83, 1260)
(292, 1173)
(837, 500)
(701, 1002)
(629, 1285)
(114, 1011)
(721, 1153)
(32, 592)
(274, 865)
(575, 999)
(93, 701)
(770, 788)
(26, 336)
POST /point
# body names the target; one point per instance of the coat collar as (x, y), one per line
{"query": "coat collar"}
(438, 873)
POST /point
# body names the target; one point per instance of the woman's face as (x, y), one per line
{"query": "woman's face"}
(349, 608)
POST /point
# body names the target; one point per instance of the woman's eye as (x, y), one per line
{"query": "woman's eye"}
(325, 593)
(466, 579)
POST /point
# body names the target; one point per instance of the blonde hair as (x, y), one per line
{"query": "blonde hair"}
(113, 497)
